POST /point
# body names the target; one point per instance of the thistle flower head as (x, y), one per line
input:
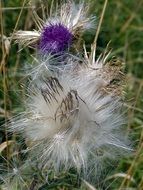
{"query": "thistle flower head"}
(56, 32)
(55, 38)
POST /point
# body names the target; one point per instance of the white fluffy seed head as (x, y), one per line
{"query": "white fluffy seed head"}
(74, 119)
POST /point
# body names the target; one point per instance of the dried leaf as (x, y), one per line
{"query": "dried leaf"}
(5, 144)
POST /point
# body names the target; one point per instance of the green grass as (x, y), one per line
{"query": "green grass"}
(122, 26)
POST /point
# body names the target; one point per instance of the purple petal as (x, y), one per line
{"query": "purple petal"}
(55, 38)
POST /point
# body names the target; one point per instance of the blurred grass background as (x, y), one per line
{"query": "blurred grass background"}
(123, 26)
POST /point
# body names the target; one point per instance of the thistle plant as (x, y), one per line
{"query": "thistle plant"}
(74, 116)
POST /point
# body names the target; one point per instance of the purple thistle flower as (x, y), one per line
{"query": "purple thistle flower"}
(55, 38)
